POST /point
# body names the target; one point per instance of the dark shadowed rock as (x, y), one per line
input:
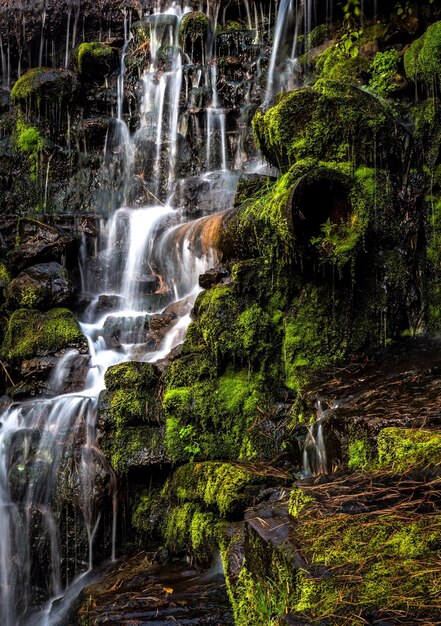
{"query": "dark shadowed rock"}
(41, 286)
(37, 243)
(212, 277)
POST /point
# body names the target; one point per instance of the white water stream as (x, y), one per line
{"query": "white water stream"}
(144, 259)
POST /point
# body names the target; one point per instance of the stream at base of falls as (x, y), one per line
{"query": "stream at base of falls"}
(58, 493)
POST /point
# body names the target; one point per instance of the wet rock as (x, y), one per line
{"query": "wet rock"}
(212, 277)
(108, 303)
(41, 286)
(93, 132)
(156, 594)
(44, 85)
(191, 196)
(38, 243)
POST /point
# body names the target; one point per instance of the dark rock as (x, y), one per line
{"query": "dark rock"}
(38, 243)
(138, 587)
(212, 277)
(108, 303)
(41, 286)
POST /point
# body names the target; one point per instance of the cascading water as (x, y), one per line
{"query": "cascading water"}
(146, 257)
(315, 455)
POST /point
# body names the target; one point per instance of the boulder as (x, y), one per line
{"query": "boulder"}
(38, 243)
(41, 286)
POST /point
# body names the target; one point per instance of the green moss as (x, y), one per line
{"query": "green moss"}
(177, 531)
(434, 258)
(32, 333)
(132, 375)
(43, 84)
(194, 25)
(5, 277)
(401, 448)
(132, 397)
(225, 488)
(314, 336)
(96, 60)
(332, 122)
(146, 508)
(297, 501)
(337, 65)
(422, 60)
(133, 447)
(28, 140)
(360, 456)
(319, 35)
(210, 420)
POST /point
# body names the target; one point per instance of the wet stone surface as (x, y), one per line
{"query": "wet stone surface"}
(138, 592)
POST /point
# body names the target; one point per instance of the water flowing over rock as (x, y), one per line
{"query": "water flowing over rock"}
(187, 329)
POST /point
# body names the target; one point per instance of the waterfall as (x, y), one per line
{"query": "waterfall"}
(292, 16)
(144, 258)
(315, 455)
(148, 255)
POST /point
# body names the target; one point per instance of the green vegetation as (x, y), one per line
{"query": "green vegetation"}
(43, 84)
(383, 73)
(194, 25)
(331, 122)
(403, 448)
(28, 140)
(96, 60)
(422, 61)
(211, 419)
(225, 488)
(31, 333)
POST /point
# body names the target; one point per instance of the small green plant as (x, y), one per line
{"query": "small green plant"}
(350, 43)
(28, 297)
(186, 434)
(383, 72)
(403, 9)
(352, 11)
(28, 140)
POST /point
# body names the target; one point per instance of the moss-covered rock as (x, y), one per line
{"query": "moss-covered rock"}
(402, 448)
(225, 488)
(211, 419)
(134, 447)
(44, 85)
(96, 60)
(314, 335)
(332, 122)
(31, 333)
(194, 25)
(132, 394)
(422, 60)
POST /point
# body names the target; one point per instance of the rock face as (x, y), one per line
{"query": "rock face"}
(42, 286)
(296, 429)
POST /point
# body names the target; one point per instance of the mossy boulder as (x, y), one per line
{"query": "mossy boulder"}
(422, 61)
(403, 448)
(331, 122)
(30, 333)
(96, 61)
(194, 25)
(132, 394)
(190, 530)
(211, 419)
(134, 447)
(42, 85)
(224, 488)
(41, 286)
(129, 415)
